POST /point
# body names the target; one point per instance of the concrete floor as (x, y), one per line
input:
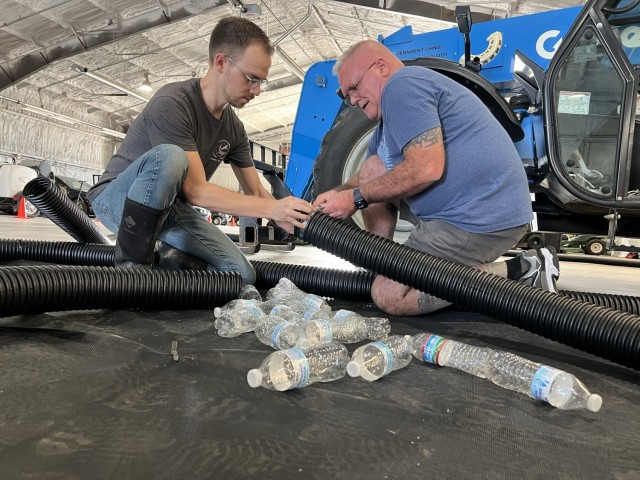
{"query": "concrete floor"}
(576, 276)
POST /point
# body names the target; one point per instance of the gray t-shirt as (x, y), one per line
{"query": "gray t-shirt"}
(177, 115)
(484, 186)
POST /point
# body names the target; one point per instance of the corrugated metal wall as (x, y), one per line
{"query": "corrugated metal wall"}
(71, 152)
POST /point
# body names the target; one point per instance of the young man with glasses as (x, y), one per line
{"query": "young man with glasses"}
(440, 158)
(173, 148)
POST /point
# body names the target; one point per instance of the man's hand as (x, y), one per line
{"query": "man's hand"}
(291, 212)
(336, 204)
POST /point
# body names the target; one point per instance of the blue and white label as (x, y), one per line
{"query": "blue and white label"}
(300, 366)
(387, 354)
(325, 333)
(542, 381)
(431, 348)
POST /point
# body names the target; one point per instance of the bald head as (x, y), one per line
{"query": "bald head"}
(363, 71)
(366, 51)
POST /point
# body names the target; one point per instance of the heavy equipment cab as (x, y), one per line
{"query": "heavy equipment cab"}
(563, 83)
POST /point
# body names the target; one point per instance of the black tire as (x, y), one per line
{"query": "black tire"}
(343, 150)
(535, 241)
(216, 220)
(595, 247)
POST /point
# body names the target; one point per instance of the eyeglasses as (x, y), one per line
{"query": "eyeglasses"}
(252, 81)
(346, 98)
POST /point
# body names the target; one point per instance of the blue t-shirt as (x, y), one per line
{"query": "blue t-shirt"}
(484, 186)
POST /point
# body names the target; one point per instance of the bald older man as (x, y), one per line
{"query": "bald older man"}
(440, 158)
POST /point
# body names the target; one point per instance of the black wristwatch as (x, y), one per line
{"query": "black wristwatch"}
(359, 202)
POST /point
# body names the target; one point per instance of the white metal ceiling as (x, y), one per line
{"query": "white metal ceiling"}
(39, 41)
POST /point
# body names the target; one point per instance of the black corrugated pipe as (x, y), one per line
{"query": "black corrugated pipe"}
(333, 283)
(50, 288)
(67, 253)
(610, 334)
(327, 282)
(58, 208)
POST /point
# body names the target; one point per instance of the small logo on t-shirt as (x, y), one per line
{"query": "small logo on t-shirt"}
(221, 151)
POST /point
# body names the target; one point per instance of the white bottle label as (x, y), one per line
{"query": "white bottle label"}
(300, 366)
(431, 348)
(542, 381)
(387, 354)
(325, 334)
(275, 335)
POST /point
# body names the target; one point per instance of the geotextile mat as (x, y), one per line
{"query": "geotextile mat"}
(98, 395)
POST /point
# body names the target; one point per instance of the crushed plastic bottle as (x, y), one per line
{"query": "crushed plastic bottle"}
(250, 292)
(346, 326)
(277, 332)
(556, 387)
(286, 312)
(377, 359)
(237, 304)
(287, 293)
(239, 320)
(299, 367)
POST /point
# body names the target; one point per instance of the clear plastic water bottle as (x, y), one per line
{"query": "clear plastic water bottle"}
(346, 326)
(238, 321)
(556, 387)
(250, 292)
(377, 359)
(431, 348)
(277, 332)
(286, 292)
(286, 312)
(298, 367)
(236, 304)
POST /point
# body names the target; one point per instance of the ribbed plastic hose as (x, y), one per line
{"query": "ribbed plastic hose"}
(51, 288)
(327, 282)
(67, 253)
(610, 334)
(58, 208)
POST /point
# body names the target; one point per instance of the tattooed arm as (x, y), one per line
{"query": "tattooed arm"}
(423, 165)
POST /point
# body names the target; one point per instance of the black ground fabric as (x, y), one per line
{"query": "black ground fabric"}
(96, 395)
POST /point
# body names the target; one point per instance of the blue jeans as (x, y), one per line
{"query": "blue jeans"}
(155, 180)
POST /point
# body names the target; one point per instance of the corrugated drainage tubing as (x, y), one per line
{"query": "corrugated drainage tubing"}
(57, 207)
(327, 282)
(607, 333)
(67, 253)
(49, 288)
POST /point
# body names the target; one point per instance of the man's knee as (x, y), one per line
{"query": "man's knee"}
(386, 297)
(371, 168)
(172, 161)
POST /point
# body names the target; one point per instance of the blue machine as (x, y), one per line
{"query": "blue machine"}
(563, 83)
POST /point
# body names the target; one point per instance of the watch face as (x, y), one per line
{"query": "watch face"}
(359, 202)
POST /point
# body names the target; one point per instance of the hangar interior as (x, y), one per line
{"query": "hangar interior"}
(150, 392)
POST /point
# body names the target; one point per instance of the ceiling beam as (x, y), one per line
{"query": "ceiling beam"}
(417, 8)
(16, 69)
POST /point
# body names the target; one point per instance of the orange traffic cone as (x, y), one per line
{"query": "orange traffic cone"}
(22, 209)
(232, 223)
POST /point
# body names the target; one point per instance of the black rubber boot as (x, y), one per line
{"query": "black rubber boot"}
(171, 258)
(139, 228)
